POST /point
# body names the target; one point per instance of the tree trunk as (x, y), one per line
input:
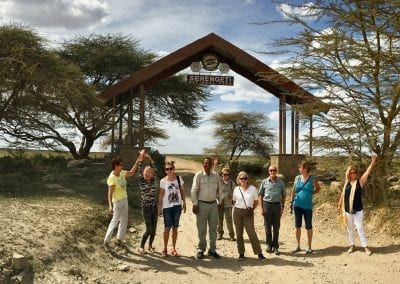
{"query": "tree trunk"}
(377, 188)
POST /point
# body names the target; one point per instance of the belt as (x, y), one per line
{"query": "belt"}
(272, 202)
(209, 202)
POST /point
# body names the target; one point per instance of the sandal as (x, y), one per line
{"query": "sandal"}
(351, 249)
(174, 252)
(107, 247)
(141, 251)
(164, 253)
(152, 249)
(297, 249)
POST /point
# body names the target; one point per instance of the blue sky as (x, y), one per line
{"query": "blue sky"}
(163, 27)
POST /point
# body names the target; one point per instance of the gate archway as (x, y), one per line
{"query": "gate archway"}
(240, 62)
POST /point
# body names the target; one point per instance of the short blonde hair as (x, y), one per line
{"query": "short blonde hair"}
(226, 170)
(242, 174)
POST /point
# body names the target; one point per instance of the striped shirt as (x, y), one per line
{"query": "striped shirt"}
(149, 191)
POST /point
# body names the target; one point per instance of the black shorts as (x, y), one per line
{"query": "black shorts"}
(298, 216)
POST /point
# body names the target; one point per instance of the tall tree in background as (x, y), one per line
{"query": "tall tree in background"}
(105, 60)
(39, 92)
(240, 132)
(58, 106)
(348, 52)
(16, 70)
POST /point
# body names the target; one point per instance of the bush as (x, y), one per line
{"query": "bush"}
(20, 174)
(22, 164)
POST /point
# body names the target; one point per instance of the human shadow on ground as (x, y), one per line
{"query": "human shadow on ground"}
(338, 250)
(206, 266)
(390, 249)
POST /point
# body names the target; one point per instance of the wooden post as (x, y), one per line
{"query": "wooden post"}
(142, 99)
(311, 135)
(296, 132)
(292, 122)
(130, 117)
(282, 125)
(114, 102)
(121, 113)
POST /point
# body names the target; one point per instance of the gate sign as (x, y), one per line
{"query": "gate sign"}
(210, 80)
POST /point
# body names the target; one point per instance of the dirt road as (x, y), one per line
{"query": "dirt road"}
(40, 229)
(330, 263)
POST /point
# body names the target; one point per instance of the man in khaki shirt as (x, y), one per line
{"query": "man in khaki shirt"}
(206, 196)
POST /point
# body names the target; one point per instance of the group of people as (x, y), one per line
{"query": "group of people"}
(167, 200)
(217, 196)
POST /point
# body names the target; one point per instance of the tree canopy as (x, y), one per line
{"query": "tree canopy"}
(49, 98)
(239, 132)
(348, 53)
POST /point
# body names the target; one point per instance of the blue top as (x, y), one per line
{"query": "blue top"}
(303, 193)
(272, 191)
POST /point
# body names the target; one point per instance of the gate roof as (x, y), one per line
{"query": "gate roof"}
(239, 61)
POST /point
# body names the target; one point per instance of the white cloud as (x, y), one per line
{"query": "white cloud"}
(243, 90)
(304, 12)
(274, 117)
(55, 13)
(249, 2)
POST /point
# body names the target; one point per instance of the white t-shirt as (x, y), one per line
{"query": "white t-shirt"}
(249, 195)
(172, 194)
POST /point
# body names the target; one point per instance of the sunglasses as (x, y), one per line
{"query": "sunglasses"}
(243, 178)
(169, 169)
(352, 173)
(273, 170)
(225, 174)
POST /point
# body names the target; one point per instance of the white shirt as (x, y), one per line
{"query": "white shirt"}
(172, 194)
(250, 195)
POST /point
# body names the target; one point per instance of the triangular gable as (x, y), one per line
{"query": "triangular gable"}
(239, 61)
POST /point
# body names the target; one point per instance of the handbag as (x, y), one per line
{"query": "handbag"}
(249, 210)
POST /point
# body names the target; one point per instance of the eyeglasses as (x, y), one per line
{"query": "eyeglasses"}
(225, 174)
(243, 178)
(169, 169)
(273, 170)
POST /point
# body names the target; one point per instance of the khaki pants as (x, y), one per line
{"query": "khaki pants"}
(242, 221)
(227, 212)
(208, 215)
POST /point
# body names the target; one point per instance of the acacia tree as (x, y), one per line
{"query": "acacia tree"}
(22, 58)
(39, 91)
(105, 60)
(349, 51)
(240, 132)
(60, 108)
(56, 107)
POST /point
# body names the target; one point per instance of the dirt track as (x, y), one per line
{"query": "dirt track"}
(37, 228)
(329, 264)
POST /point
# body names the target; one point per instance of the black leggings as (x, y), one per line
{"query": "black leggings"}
(150, 216)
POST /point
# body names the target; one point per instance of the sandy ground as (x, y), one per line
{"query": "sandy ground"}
(37, 229)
